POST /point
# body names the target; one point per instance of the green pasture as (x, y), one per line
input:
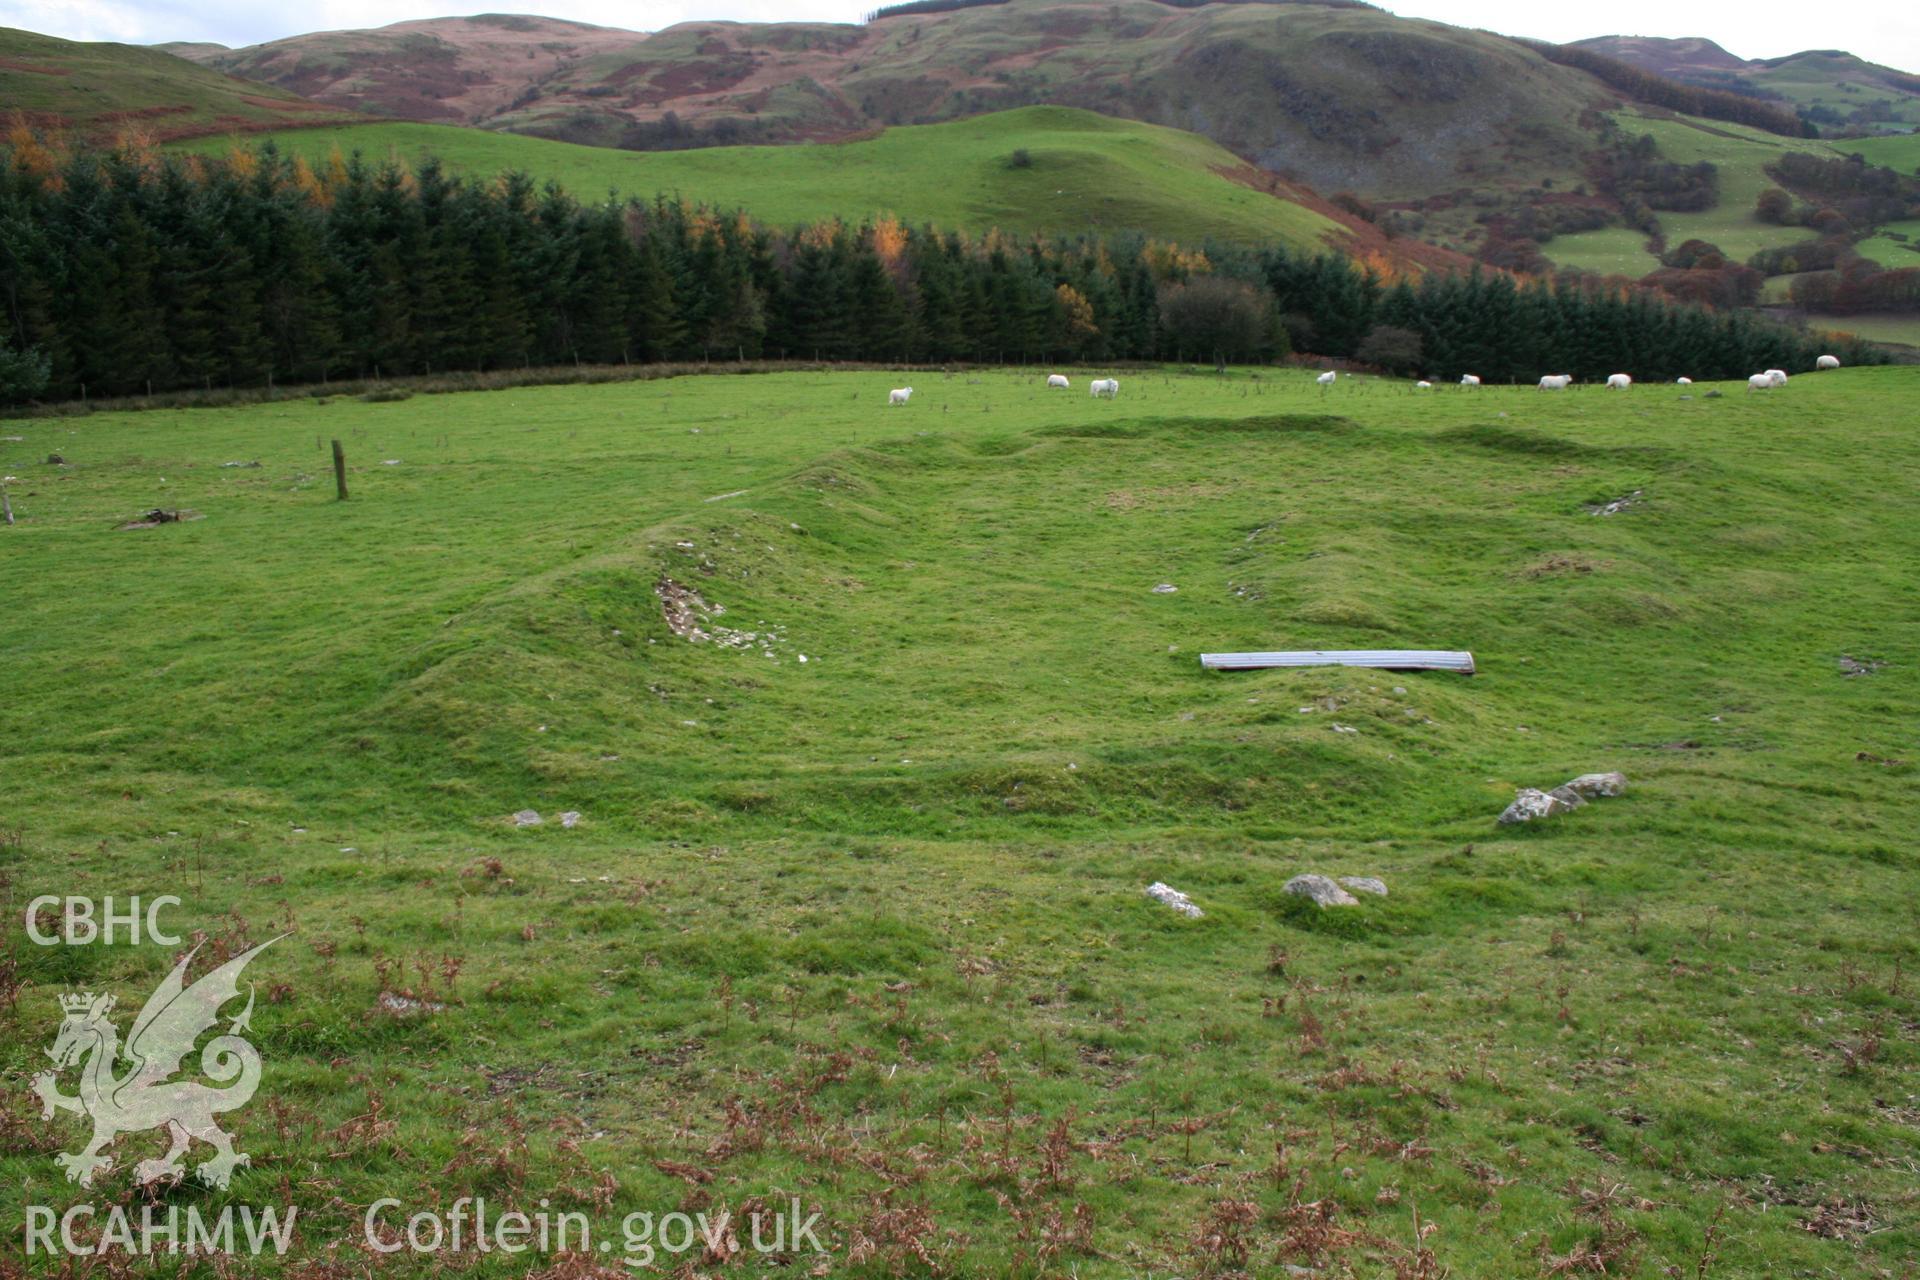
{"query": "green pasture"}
(870, 929)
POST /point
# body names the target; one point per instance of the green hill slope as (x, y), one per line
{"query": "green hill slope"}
(1740, 155)
(101, 87)
(1086, 172)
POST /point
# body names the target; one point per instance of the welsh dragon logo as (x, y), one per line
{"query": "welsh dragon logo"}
(143, 1096)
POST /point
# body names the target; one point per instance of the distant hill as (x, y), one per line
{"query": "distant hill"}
(1081, 171)
(106, 88)
(1340, 98)
(1432, 131)
(451, 70)
(1835, 90)
(1681, 59)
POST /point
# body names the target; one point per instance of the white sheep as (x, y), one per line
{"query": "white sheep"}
(1469, 380)
(1327, 379)
(1683, 382)
(1827, 362)
(1057, 380)
(1108, 387)
(1423, 385)
(1779, 377)
(1618, 382)
(1556, 382)
(1761, 382)
(899, 395)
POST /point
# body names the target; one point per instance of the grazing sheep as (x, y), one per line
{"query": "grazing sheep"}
(1556, 382)
(1107, 387)
(1469, 380)
(1057, 380)
(1827, 362)
(1618, 382)
(1761, 382)
(1683, 382)
(899, 396)
(1327, 379)
(1779, 377)
(1423, 385)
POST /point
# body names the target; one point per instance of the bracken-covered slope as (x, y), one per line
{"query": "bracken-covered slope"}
(1341, 98)
(107, 88)
(450, 70)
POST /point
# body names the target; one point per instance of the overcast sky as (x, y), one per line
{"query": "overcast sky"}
(1885, 31)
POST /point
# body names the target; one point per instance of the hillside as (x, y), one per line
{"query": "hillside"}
(1833, 89)
(1085, 172)
(451, 70)
(1339, 98)
(103, 88)
(1453, 138)
(1740, 156)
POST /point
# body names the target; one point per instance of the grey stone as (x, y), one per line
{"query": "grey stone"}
(1529, 804)
(1591, 785)
(1365, 884)
(526, 818)
(1322, 890)
(1567, 796)
(1172, 897)
(568, 818)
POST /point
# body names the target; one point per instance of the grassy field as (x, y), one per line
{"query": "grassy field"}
(1900, 152)
(1888, 327)
(868, 928)
(1895, 245)
(1088, 172)
(1610, 250)
(1741, 154)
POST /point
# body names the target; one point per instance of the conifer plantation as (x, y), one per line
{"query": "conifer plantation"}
(127, 272)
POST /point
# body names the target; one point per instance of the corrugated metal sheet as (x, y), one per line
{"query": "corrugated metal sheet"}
(1384, 659)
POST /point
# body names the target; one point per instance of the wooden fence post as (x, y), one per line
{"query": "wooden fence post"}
(340, 470)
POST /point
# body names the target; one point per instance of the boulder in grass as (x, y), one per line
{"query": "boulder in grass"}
(1172, 897)
(1366, 884)
(1530, 804)
(526, 818)
(1322, 890)
(1567, 796)
(1592, 785)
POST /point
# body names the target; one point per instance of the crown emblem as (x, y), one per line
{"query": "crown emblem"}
(77, 1001)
